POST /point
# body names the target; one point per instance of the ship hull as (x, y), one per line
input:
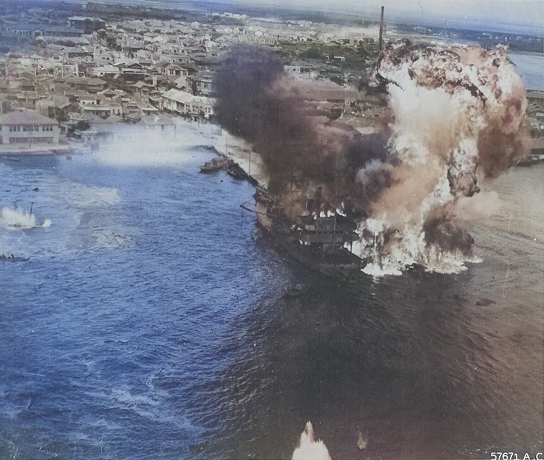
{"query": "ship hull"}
(342, 265)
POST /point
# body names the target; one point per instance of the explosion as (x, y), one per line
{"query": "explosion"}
(458, 117)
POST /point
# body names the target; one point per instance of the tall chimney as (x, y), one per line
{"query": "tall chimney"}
(381, 32)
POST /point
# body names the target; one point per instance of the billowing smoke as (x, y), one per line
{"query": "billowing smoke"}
(458, 117)
(257, 101)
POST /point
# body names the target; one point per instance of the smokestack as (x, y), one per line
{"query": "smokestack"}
(381, 32)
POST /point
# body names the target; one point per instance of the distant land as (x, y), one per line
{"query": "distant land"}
(518, 38)
(339, 13)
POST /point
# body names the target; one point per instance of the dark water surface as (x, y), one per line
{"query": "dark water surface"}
(151, 322)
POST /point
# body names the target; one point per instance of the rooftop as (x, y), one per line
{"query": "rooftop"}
(84, 18)
(178, 96)
(26, 117)
(161, 120)
(85, 81)
(535, 94)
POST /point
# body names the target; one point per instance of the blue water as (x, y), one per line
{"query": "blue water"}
(150, 321)
(531, 69)
(125, 308)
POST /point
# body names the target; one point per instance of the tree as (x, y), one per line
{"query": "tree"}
(311, 53)
(83, 125)
(61, 116)
(337, 79)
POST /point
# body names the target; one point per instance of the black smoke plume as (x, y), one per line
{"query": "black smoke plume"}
(257, 101)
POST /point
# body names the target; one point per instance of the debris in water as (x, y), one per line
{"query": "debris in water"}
(484, 302)
(362, 442)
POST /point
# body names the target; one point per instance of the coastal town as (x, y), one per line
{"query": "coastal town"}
(73, 74)
(223, 223)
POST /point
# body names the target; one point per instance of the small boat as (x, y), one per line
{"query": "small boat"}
(207, 168)
(531, 160)
(236, 171)
(296, 290)
(214, 165)
(12, 258)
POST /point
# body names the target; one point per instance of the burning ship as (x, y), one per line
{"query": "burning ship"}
(319, 238)
(455, 119)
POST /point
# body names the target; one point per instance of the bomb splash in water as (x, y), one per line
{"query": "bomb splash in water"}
(458, 117)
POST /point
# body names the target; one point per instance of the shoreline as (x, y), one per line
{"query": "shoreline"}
(240, 152)
(6, 151)
(526, 53)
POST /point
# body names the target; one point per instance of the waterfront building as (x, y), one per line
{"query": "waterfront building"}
(28, 127)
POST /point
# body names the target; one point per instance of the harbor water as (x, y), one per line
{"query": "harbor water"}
(530, 67)
(145, 317)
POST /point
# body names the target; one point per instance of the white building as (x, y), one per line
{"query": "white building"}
(187, 105)
(103, 111)
(105, 70)
(103, 56)
(28, 127)
(292, 69)
(158, 122)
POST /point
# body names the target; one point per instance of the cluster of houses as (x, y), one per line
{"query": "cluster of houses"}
(535, 112)
(84, 77)
(94, 74)
(91, 75)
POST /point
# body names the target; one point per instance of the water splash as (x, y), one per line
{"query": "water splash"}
(14, 219)
(309, 448)
(135, 146)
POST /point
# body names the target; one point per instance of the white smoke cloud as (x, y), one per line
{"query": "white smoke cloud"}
(458, 115)
(136, 146)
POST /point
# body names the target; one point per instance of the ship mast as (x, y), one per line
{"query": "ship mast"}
(380, 43)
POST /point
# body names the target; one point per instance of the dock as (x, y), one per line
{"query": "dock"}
(240, 152)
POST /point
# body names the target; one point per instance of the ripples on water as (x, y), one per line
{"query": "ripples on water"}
(150, 322)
